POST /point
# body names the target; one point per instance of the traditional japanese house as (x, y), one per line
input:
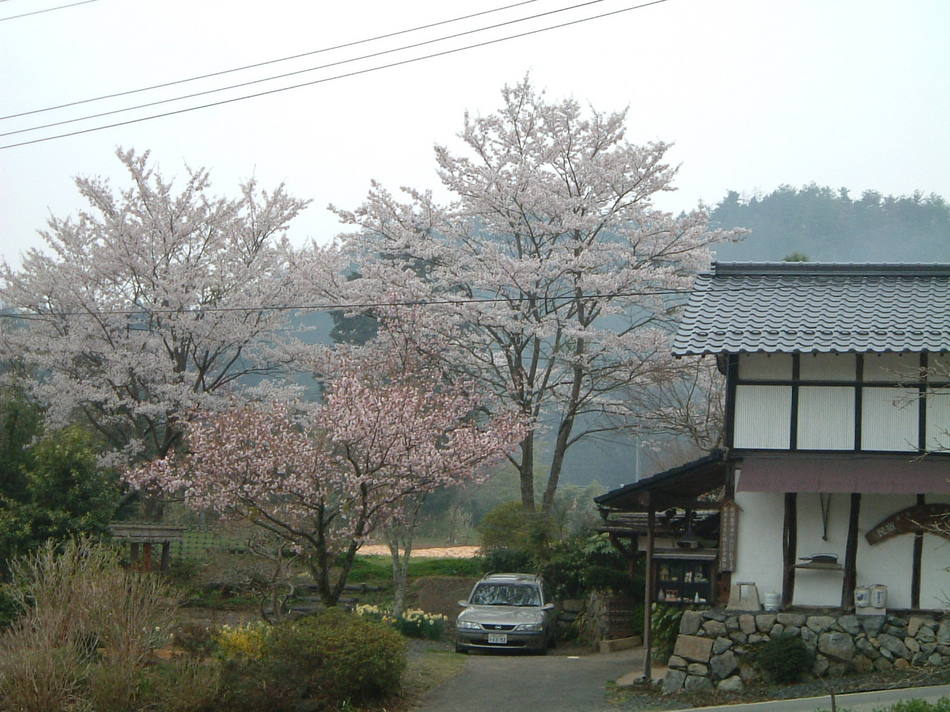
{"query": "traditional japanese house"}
(836, 469)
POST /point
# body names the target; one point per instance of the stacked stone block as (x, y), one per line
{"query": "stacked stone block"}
(713, 648)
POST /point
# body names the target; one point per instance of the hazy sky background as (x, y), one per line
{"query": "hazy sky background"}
(754, 93)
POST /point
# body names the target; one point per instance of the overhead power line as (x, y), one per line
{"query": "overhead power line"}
(49, 9)
(354, 73)
(341, 306)
(266, 62)
(296, 72)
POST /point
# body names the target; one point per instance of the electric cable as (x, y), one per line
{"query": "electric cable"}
(266, 62)
(262, 80)
(324, 80)
(338, 306)
(49, 9)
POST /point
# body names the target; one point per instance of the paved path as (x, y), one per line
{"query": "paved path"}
(855, 702)
(560, 682)
(556, 682)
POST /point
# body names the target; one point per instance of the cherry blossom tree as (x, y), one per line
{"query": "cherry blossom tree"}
(152, 303)
(550, 271)
(325, 480)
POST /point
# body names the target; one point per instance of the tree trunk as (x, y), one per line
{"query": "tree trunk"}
(399, 538)
(526, 472)
(557, 462)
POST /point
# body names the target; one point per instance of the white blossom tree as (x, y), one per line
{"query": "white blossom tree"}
(152, 303)
(550, 271)
(326, 480)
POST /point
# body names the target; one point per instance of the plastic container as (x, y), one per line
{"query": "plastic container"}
(771, 602)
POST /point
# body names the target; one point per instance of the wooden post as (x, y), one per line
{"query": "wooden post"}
(648, 596)
(147, 558)
(135, 553)
(166, 548)
(789, 548)
(851, 554)
(918, 560)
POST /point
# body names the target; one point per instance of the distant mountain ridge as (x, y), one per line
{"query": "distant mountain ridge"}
(827, 225)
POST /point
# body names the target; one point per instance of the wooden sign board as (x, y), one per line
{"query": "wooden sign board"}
(728, 535)
(932, 518)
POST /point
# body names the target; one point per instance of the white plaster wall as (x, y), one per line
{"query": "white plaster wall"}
(889, 419)
(825, 418)
(890, 562)
(765, 366)
(827, 367)
(819, 587)
(938, 419)
(759, 544)
(763, 417)
(935, 578)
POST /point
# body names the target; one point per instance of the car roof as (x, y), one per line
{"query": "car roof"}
(512, 578)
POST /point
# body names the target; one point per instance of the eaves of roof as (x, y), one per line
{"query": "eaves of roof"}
(817, 307)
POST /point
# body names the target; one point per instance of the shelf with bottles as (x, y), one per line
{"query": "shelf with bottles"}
(683, 581)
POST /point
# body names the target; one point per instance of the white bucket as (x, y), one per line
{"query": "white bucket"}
(771, 602)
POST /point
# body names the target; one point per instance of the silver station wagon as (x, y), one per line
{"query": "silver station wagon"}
(506, 612)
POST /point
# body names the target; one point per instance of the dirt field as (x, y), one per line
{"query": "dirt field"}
(449, 552)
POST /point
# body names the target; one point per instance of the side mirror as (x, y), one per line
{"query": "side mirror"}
(547, 607)
(463, 603)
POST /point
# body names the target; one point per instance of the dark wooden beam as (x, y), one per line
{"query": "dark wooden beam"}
(648, 598)
(851, 553)
(918, 559)
(789, 547)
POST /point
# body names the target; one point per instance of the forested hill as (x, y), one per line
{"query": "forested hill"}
(828, 225)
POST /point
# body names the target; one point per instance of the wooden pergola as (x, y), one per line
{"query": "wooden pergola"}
(142, 539)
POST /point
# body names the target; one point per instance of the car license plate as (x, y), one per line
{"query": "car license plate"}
(497, 639)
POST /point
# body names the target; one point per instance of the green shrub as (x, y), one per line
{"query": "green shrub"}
(582, 564)
(185, 685)
(784, 658)
(320, 662)
(508, 561)
(665, 626)
(195, 639)
(511, 526)
(10, 610)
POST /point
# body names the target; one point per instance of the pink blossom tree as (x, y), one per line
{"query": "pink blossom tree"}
(550, 272)
(327, 479)
(153, 302)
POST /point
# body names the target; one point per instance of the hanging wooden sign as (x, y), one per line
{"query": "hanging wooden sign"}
(931, 518)
(728, 535)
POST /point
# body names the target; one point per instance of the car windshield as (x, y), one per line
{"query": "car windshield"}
(505, 594)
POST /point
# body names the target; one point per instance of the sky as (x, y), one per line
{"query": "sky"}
(752, 93)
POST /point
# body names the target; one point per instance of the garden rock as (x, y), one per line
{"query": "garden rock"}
(714, 628)
(693, 648)
(764, 622)
(795, 619)
(723, 665)
(872, 624)
(894, 645)
(690, 622)
(676, 662)
(850, 624)
(747, 623)
(731, 684)
(836, 645)
(721, 645)
(819, 624)
(695, 683)
(673, 681)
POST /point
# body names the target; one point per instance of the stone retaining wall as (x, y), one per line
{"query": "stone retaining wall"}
(713, 648)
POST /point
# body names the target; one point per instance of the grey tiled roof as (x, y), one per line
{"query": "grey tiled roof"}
(785, 307)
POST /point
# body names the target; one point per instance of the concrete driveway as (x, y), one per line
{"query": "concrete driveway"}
(557, 682)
